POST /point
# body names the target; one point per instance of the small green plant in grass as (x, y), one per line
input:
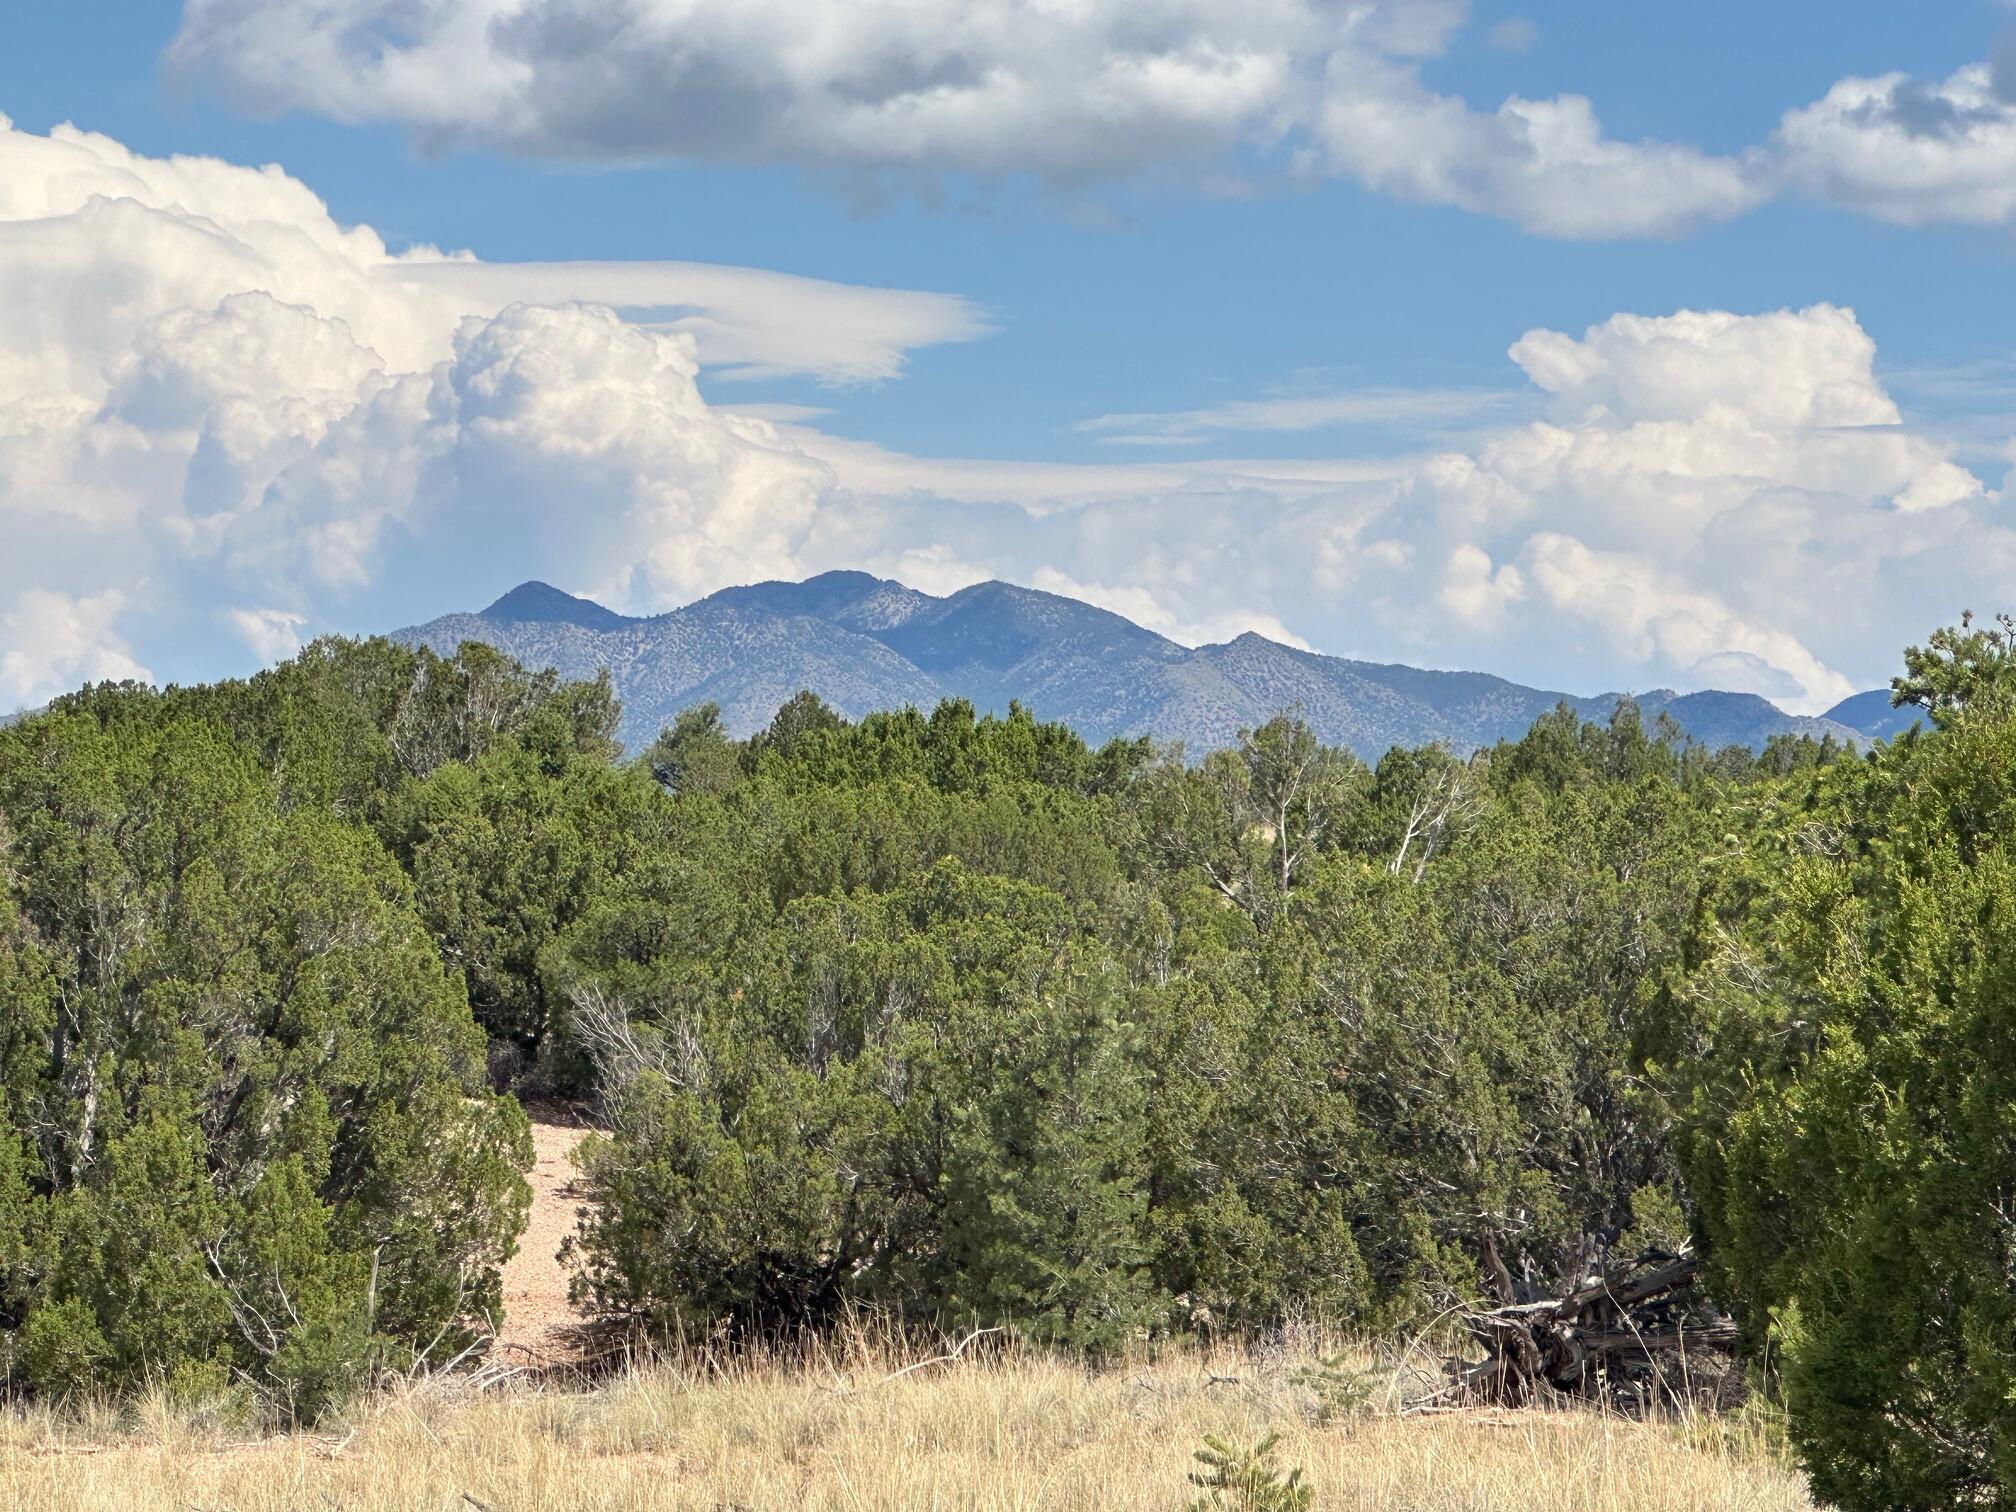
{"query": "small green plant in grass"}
(1340, 1392)
(1246, 1480)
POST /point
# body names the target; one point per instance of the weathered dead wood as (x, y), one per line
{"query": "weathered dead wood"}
(1623, 1337)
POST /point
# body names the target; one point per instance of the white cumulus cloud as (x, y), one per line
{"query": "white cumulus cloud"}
(1658, 617)
(273, 634)
(55, 641)
(1474, 591)
(1907, 150)
(1070, 93)
(1078, 93)
(211, 388)
(1787, 370)
(1545, 164)
(989, 86)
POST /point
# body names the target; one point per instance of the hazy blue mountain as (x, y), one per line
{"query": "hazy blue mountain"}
(864, 643)
(1871, 714)
(543, 604)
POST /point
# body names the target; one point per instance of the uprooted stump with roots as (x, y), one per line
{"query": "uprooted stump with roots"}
(1634, 1338)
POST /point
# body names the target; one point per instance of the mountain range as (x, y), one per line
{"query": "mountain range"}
(864, 643)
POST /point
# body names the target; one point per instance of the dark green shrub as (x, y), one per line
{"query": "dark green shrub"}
(59, 1350)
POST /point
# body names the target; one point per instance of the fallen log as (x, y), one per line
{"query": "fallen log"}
(1624, 1337)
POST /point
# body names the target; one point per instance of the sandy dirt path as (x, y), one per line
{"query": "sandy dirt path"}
(539, 1322)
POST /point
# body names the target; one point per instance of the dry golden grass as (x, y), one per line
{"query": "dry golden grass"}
(1010, 1431)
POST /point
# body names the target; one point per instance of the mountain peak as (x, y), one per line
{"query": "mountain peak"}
(535, 602)
(847, 578)
(858, 600)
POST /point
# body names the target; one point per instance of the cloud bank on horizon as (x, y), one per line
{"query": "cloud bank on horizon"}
(228, 422)
(1085, 93)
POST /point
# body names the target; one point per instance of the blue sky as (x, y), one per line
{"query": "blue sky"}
(1297, 280)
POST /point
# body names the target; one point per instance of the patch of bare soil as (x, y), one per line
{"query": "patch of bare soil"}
(541, 1328)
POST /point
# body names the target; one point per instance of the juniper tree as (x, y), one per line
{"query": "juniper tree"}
(1849, 1067)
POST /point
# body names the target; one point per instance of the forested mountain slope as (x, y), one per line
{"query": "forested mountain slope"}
(863, 643)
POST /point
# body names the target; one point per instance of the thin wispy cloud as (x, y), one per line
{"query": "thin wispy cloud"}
(1972, 404)
(778, 413)
(1986, 382)
(1408, 412)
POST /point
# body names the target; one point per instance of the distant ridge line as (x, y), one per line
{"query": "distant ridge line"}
(865, 643)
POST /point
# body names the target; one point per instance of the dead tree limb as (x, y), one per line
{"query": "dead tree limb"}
(1623, 1337)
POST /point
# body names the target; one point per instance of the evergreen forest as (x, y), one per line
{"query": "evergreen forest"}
(955, 1019)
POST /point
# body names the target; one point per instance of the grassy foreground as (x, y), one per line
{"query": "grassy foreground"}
(1009, 1432)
